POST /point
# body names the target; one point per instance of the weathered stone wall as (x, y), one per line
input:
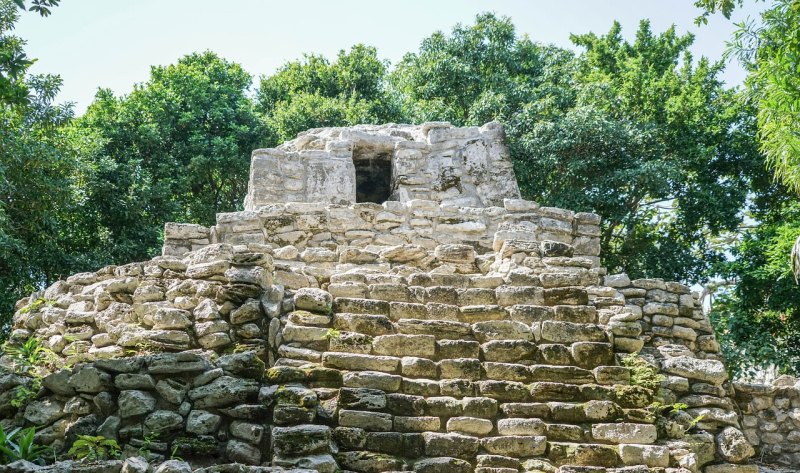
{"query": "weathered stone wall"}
(771, 419)
(458, 166)
(371, 226)
(677, 336)
(410, 335)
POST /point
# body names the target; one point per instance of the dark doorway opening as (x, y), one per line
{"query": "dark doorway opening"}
(373, 179)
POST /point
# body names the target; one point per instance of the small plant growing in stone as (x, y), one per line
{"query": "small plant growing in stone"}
(30, 357)
(147, 442)
(24, 394)
(174, 454)
(146, 347)
(332, 333)
(19, 444)
(642, 373)
(32, 360)
(672, 419)
(90, 448)
(36, 305)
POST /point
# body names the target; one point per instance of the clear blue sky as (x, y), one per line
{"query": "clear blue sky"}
(113, 43)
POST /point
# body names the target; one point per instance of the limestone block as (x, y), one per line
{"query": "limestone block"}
(414, 367)
(514, 295)
(247, 312)
(389, 292)
(732, 445)
(650, 455)
(363, 323)
(405, 345)
(567, 332)
(44, 412)
(455, 253)
(460, 368)
(162, 422)
(362, 399)
(373, 380)
(174, 466)
(478, 313)
(711, 371)
(592, 354)
(301, 440)
(315, 300)
(347, 361)
(484, 407)
(469, 425)
(134, 381)
(583, 454)
(516, 445)
(369, 421)
(247, 431)
(254, 275)
(207, 270)
(509, 350)
(625, 433)
(441, 329)
(628, 345)
(136, 465)
(416, 424)
(521, 426)
(367, 461)
(477, 296)
(89, 380)
(611, 375)
(223, 391)
(501, 330)
(242, 452)
(457, 349)
(461, 446)
(202, 329)
(202, 422)
(300, 333)
(504, 391)
(442, 465)
(407, 310)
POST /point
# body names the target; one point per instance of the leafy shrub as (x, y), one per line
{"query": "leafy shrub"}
(94, 448)
(19, 445)
(30, 358)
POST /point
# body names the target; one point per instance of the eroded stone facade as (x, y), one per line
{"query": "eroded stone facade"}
(468, 167)
(452, 329)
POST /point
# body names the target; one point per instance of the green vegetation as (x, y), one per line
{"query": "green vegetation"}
(668, 416)
(32, 360)
(147, 442)
(679, 165)
(19, 444)
(90, 448)
(332, 333)
(755, 311)
(642, 373)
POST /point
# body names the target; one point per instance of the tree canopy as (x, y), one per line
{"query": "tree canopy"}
(314, 92)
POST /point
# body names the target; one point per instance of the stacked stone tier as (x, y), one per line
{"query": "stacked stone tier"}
(392, 337)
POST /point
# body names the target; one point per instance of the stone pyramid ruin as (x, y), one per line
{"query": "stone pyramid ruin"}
(385, 302)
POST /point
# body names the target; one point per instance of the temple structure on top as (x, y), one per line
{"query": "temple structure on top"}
(468, 167)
